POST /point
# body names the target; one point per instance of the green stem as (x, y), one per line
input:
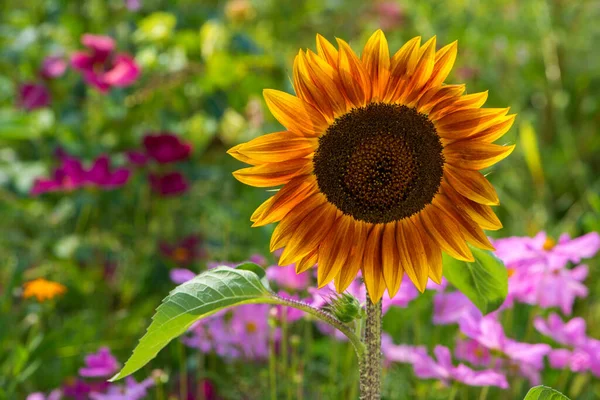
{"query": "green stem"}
(272, 364)
(370, 362)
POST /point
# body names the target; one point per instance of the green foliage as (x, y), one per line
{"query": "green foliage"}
(544, 393)
(192, 301)
(484, 281)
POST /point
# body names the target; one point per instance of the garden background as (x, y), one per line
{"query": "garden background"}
(196, 70)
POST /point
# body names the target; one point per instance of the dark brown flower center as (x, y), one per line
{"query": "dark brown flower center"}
(380, 163)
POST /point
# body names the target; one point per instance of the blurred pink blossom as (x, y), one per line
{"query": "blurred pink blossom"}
(169, 184)
(131, 390)
(571, 333)
(287, 278)
(53, 67)
(166, 147)
(100, 364)
(33, 96)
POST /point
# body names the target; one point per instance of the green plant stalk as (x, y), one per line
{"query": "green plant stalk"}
(369, 362)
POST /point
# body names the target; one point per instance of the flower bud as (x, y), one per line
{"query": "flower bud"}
(344, 307)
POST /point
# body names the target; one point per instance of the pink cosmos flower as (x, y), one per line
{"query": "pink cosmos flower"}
(400, 353)
(571, 333)
(101, 67)
(71, 175)
(287, 278)
(473, 352)
(450, 307)
(556, 288)
(185, 251)
(100, 364)
(169, 184)
(577, 360)
(80, 390)
(131, 390)
(166, 147)
(443, 370)
(181, 275)
(53, 67)
(56, 394)
(33, 96)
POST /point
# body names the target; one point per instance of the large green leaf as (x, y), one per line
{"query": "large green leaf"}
(484, 282)
(544, 393)
(204, 295)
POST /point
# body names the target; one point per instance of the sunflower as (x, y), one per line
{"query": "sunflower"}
(379, 164)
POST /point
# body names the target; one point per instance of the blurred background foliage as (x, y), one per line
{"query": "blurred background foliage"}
(204, 65)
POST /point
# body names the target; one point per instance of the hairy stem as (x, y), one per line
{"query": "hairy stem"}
(370, 363)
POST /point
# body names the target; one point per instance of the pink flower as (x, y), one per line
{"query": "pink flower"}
(576, 360)
(133, 5)
(33, 96)
(53, 67)
(131, 390)
(571, 333)
(169, 184)
(166, 148)
(400, 353)
(557, 288)
(99, 365)
(181, 275)
(390, 14)
(101, 67)
(450, 307)
(473, 352)
(291, 314)
(443, 370)
(139, 158)
(56, 394)
(185, 251)
(287, 278)
(71, 175)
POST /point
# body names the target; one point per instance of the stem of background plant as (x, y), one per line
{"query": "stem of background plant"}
(272, 361)
(370, 362)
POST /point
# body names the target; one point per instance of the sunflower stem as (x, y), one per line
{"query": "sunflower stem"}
(370, 362)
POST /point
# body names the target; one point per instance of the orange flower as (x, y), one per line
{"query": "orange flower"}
(42, 289)
(379, 164)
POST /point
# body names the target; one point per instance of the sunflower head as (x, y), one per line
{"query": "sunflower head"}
(378, 166)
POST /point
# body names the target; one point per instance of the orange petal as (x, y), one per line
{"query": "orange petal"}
(457, 103)
(433, 254)
(471, 184)
(284, 230)
(402, 65)
(327, 51)
(273, 174)
(288, 197)
(309, 233)
(437, 94)
(235, 153)
(372, 273)
(295, 114)
(481, 214)
(444, 61)
(327, 79)
(353, 75)
(413, 254)
(496, 131)
(278, 147)
(307, 262)
(467, 154)
(334, 251)
(446, 232)
(464, 123)
(359, 232)
(391, 265)
(376, 59)
(471, 231)
(422, 72)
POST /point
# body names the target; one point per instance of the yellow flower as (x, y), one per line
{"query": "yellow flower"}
(42, 289)
(379, 164)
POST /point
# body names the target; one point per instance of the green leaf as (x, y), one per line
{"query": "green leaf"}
(204, 295)
(484, 282)
(544, 393)
(258, 270)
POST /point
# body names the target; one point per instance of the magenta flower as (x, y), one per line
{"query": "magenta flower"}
(450, 307)
(166, 147)
(101, 67)
(287, 278)
(169, 184)
(443, 370)
(131, 390)
(80, 390)
(138, 158)
(400, 353)
(33, 96)
(250, 328)
(100, 364)
(185, 251)
(56, 394)
(53, 67)
(473, 352)
(577, 360)
(556, 288)
(71, 175)
(181, 275)
(571, 333)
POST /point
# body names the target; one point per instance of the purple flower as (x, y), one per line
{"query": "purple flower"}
(71, 175)
(166, 147)
(571, 333)
(132, 390)
(169, 184)
(53, 67)
(185, 251)
(286, 277)
(443, 370)
(138, 158)
(400, 353)
(181, 275)
(473, 352)
(576, 360)
(33, 96)
(80, 390)
(56, 394)
(450, 307)
(101, 67)
(100, 364)
(557, 288)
